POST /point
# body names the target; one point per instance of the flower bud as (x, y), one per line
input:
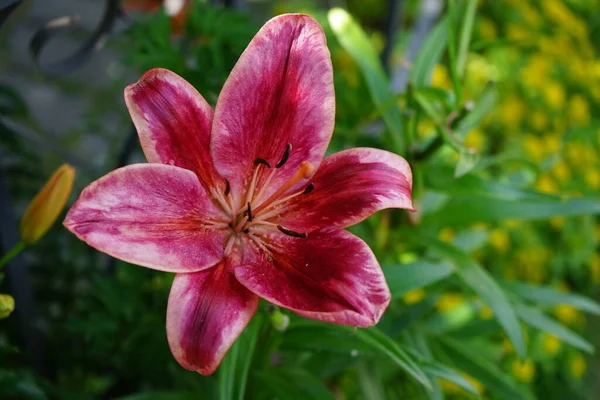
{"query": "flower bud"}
(7, 305)
(47, 205)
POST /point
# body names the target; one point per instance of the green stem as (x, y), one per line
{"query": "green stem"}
(12, 253)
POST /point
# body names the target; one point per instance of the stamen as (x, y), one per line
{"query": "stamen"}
(305, 171)
(227, 188)
(286, 156)
(262, 161)
(292, 233)
(249, 212)
(309, 188)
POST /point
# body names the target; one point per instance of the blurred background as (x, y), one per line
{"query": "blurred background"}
(495, 279)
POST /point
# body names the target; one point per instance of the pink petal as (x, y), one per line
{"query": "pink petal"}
(350, 186)
(157, 216)
(207, 311)
(330, 276)
(173, 122)
(279, 92)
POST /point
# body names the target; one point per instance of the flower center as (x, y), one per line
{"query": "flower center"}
(255, 212)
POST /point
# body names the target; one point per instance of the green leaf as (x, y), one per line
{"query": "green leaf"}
(466, 162)
(465, 210)
(478, 279)
(544, 323)
(293, 384)
(429, 55)
(402, 279)
(354, 40)
(546, 295)
(233, 372)
(441, 371)
(486, 101)
(370, 382)
(314, 335)
(465, 358)
(386, 346)
(163, 395)
(465, 37)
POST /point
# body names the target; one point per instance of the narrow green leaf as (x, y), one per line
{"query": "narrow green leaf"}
(465, 210)
(369, 380)
(441, 371)
(546, 295)
(293, 384)
(320, 336)
(465, 37)
(164, 395)
(463, 357)
(233, 372)
(354, 40)
(486, 101)
(478, 279)
(402, 279)
(393, 351)
(429, 55)
(544, 323)
(466, 162)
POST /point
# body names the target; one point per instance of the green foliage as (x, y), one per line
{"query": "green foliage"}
(490, 277)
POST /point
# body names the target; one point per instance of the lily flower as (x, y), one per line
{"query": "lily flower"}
(240, 202)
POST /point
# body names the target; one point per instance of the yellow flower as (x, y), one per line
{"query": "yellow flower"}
(546, 184)
(524, 370)
(552, 143)
(539, 120)
(499, 240)
(440, 78)
(579, 110)
(425, 129)
(557, 223)
(561, 171)
(577, 366)
(47, 205)
(594, 264)
(7, 305)
(446, 234)
(551, 344)
(534, 147)
(449, 301)
(511, 111)
(517, 33)
(475, 139)
(567, 314)
(486, 313)
(487, 29)
(414, 296)
(592, 178)
(554, 94)
(529, 14)
(512, 223)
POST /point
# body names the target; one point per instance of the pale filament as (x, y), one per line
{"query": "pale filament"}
(262, 189)
(305, 171)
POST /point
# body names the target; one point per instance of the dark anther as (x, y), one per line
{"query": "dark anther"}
(309, 188)
(230, 225)
(292, 233)
(227, 187)
(246, 230)
(262, 161)
(286, 155)
(249, 213)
